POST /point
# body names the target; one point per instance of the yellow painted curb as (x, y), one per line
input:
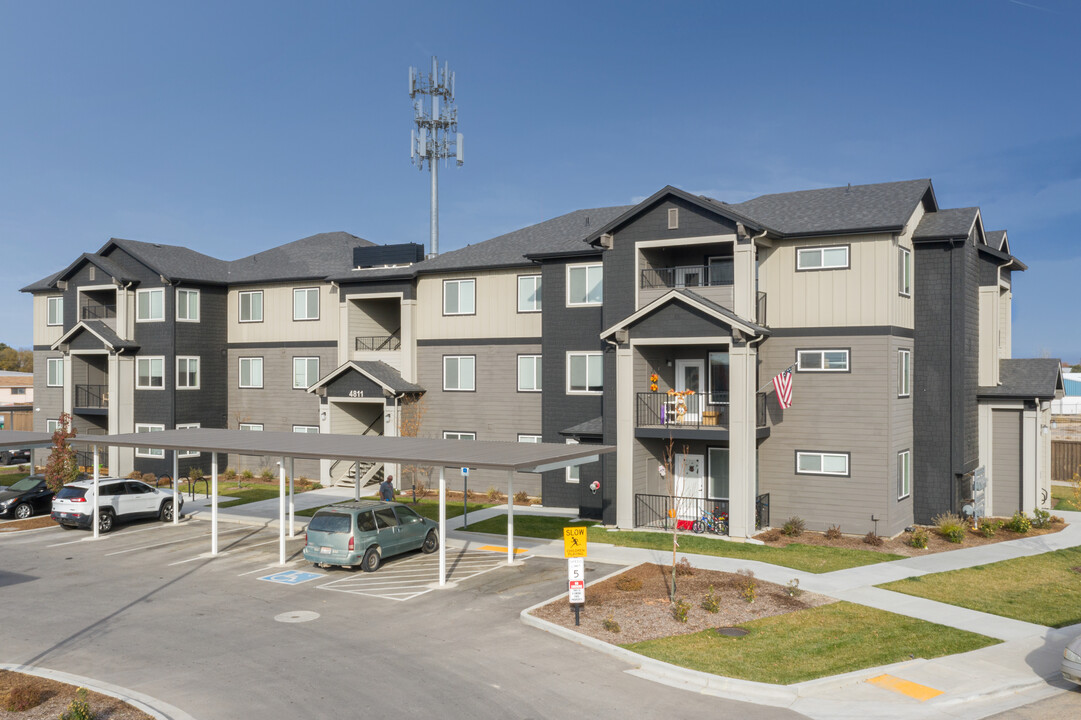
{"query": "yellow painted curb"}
(905, 687)
(496, 548)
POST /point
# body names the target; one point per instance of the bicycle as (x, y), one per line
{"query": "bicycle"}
(714, 523)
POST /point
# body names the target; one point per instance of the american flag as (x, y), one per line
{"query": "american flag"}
(782, 385)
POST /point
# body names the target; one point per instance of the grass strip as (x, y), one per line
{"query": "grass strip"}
(426, 507)
(12, 478)
(813, 643)
(1042, 589)
(1064, 498)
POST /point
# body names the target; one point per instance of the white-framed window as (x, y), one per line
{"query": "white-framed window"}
(314, 429)
(187, 372)
(585, 372)
(305, 372)
(252, 427)
(150, 305)
(522, 437)
(460, 297)
(54, 372)
(251, 372)
(187, 453)
(904, 279)
(718, 377)
(149, 452)
(718, 473)
(529, 373)
(822, 258)
(585, 284)
(459, 372)
(56, 310)
(821, 463)
(149, 373)
(574, 472)
(251, 306)
(187, 305)
(822, 360)
(529, 293)
(904, 373)
(306, 303)
(459, 435)
(52, 425)
(904, 474)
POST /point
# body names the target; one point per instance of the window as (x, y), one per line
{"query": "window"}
(459, 372)
(52, 426)
(251, 306)
(529, 438)
(574, 472)
(306, 429)
(18, 391)
(149, 373)
(822, 258)
(187, 305)
(585, 284)
(55, 372)
(458, 435)
(306, 304)
(529, 293)
(252, 427)
(149, 452)
(187, 373)
(459, 297)
(251, 372)
(529, 373)
(904, 373)
(187, 453)
(722, 271)
(585, 372)
(56, 311)
(821, 463)
(904, 474)
(718, 377)
(718, 473)
(904, 283)
(822, 360)
(150, 305)
(305, 372)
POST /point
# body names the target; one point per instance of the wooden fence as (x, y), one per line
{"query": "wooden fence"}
(1065, 459)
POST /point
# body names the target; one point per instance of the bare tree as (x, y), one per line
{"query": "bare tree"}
(410, 422)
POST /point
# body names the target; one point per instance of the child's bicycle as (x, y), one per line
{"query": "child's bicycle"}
(716, 523)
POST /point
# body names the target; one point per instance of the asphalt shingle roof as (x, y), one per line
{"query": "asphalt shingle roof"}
(950, 223)
(594, 426)
(996, 238)
(174, 262)
(388, 376)
(312, 257)
(1026, 378)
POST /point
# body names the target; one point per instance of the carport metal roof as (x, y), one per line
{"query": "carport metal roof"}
(18, 439)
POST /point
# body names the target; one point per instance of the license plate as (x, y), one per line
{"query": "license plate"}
(326, 550)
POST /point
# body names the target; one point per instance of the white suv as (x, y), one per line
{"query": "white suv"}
(120, 500)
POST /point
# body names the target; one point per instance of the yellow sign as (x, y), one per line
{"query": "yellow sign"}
(574, 542)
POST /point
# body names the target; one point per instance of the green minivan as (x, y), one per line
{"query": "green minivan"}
(363, 533)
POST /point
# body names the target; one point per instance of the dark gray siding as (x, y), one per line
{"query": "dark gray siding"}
(678, 320)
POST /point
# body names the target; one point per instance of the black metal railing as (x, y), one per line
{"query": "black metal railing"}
(760, 409)
(761, 511)
(708, 410)
(661, 512)
(91, 396)
(688, 276)
(760, 309)
(380, 342)
(97, 312)
(85, 458)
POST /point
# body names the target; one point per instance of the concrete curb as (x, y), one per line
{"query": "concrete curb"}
(151, 706)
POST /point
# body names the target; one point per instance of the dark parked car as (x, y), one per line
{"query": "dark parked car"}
(8, 456)
(29, 496)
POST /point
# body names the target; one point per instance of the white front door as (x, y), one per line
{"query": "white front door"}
(689, 485)
(690, 375)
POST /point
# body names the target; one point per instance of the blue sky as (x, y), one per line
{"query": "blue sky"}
(230, 127)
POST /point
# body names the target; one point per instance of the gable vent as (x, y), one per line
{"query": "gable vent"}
(93, 273)
(673, 218)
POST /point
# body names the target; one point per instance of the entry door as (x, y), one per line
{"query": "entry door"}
(689, 485)
(690, 375)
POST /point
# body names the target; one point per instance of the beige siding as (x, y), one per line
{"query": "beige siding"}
(496, 315)
(278, 324)
(44, 334)
(1005, 345)
(1006, 462)
(990, 336)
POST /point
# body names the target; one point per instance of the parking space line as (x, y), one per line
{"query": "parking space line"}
(174, 542)
(106, 536)
(414, 577)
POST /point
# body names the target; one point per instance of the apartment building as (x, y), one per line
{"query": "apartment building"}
(656, 328)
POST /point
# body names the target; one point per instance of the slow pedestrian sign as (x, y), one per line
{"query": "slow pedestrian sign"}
(574, 542)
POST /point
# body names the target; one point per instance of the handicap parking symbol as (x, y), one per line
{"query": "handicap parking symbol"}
(291, 577)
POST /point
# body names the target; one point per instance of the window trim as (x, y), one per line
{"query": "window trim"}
(536, 290)
(141, 358)
(572, 266)
(540, 438)
(823, 453)
(198, 301)
(240, 305)
(459, 282)
(52, 425)
(904, 480)
(537, 361)
(149, 291)
(576, 469)
(198, 372)
(313, 427)
(848, 360)
(471, 433)
(904, 276)
(822, 249)
(49, 364)
(49, 310)
(250, 427)
(187, 453)
(152, 453)
(709, 471)
(904, 373)
(305, 357)
(240, 373)
(317, 304)
(459, 389)
(587, 353)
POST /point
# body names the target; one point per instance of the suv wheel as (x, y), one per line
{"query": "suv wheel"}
(23, 511)
(370, 561)
(105, 521)
(431, 542)
(5, 458)
(166, 512)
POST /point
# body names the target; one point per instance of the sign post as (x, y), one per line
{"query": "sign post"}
(465, 497)
(574, 549)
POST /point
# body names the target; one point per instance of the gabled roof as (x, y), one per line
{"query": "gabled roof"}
(1027, 378)
(949, 224)
(694, 300)
(309, 258)
(173, 262)
(98, 329)
(377, 371)
(104, 264)
(594, 426)
(998, 240)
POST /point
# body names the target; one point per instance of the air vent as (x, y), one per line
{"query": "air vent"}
(673, 218)
(93, 273)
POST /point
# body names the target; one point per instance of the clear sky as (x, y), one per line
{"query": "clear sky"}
(231, 127)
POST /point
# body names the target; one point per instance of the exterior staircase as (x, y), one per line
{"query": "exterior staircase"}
(371, 473)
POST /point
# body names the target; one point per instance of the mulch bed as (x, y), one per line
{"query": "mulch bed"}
(899, 545)
(27, 524)
(646, 614)
(56, 696)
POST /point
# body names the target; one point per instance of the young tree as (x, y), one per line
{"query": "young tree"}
(410, 421)
(668, 474)
(62, 466)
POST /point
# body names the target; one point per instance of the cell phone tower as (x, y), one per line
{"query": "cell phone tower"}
(436, 135)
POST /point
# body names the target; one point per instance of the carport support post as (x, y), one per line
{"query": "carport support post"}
(176, 481)
(292, 508)
(97, 476)
(356, 480)
(281, 511)
(510, 517)
(442, 527)
(214, 504)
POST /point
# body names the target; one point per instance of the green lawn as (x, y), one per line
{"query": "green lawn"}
(1043, 589)
(807, 644)
(250, 491)
(12, 477)
(1063, 497)
(811, 558)
(427, 507)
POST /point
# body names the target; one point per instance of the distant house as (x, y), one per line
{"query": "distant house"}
(1071, 404)
(16, 388)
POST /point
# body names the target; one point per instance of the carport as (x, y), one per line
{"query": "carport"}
(508, 456)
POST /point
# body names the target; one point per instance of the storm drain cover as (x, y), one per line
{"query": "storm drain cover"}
(297, 616)
(731, 631)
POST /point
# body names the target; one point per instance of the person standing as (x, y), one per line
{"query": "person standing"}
(386, 489)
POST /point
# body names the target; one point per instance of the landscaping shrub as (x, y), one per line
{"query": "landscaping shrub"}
(710, 603)
(247, 474)
(988, 528)
(22, 697)
(772, 535)
(628, 583)
(873, 540)
(750, 585)
(195, 474)
(611, 625)
(834, 532)
(79, 709)
(135, 475)
(266, 474)
(150, 479)
(229, 474)
(918, 539)
(521, 496)
(684, 567)
(680, 609)
(1041, 519)
(950, 526)
(1019, 523)
(793, 588)
(793, 526)
(493, 495)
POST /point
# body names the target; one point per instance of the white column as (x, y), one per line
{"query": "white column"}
(741, 433)
(97, 476)
(292, 504)
(281, 511)
(356, 480)
(214, 504)
(176, 482)
(510, 517)
(625, 441)
(442, 527)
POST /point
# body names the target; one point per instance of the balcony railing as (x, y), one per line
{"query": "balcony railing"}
(379, 342)
(91, 396)
(97, 312)
(692, 513)
(688, 276)
(702, 410)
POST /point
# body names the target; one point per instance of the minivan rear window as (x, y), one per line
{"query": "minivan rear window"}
(68, 492)
(331, 522)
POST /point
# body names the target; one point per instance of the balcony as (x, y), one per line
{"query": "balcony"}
(658, 414)
(378, 343)
(97, 312)
(91, 399)
(688, 276)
